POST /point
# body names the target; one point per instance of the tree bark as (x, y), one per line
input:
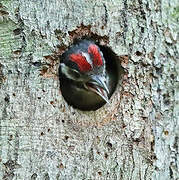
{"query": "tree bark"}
(134, 137)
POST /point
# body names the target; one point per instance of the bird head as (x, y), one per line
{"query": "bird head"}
(84, 64)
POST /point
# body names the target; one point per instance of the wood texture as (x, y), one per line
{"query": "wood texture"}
(135, 137)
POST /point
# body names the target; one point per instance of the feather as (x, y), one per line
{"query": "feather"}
(97, 60)
(81, 61)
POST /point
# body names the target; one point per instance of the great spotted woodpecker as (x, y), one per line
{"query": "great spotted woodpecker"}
(85, 82)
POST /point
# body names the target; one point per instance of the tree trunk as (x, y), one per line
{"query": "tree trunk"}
(135, 137)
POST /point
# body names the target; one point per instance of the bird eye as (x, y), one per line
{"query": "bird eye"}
(75, 74)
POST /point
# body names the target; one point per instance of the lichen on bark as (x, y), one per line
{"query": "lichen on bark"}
(135, 137)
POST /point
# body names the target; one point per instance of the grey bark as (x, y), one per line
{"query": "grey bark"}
(135, 137)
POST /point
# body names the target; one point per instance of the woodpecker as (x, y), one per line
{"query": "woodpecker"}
(84, 81)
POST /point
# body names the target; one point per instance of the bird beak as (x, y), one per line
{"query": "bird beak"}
(98, 85)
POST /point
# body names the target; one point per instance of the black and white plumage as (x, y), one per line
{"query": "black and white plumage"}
(85, 82)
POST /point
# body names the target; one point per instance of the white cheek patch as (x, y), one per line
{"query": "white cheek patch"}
(88, 59)
(66, 71)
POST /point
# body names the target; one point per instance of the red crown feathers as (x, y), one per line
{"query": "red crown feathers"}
(97, 60)
(81, 61)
